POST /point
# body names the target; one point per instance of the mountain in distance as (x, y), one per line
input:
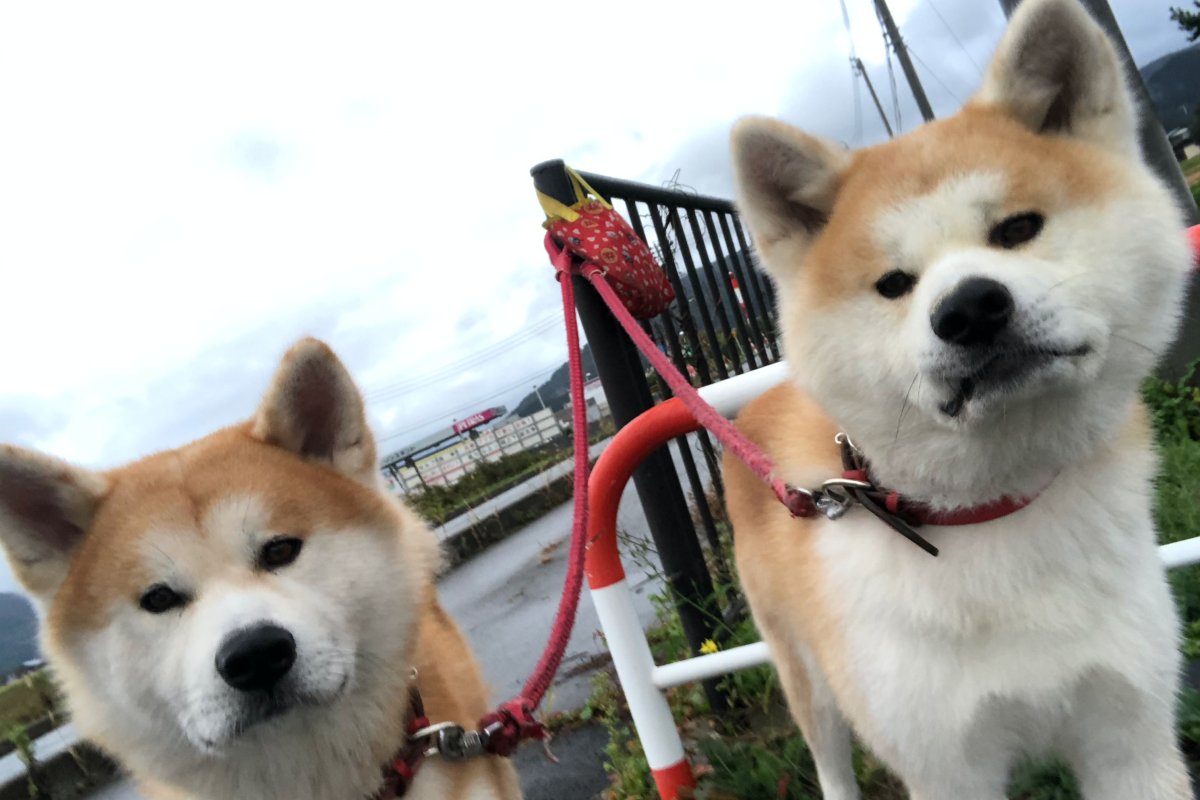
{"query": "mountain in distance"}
(18, 632)
(556, 391)
(1174, 85)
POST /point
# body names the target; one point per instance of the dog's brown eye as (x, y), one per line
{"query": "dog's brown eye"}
(160, 598)
(279, 552)
(1016, 230)
(895, 284)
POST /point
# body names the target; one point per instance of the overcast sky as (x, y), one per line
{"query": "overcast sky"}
(184, 191)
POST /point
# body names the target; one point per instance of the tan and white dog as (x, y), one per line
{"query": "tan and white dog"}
(974, 304)
(242, 617)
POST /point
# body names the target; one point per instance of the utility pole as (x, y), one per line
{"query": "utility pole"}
(861, 70)
(914, 83)
(538, 392)
(1157, 151)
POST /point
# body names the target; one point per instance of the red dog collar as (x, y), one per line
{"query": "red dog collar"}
(399, 773)
(835, 497)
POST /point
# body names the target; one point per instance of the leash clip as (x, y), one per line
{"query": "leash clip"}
(452, 742)
(834, 498)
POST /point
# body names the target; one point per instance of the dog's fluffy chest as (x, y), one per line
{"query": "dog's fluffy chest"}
(1014, 613)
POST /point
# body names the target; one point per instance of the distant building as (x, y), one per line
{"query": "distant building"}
(595, 399)
(442, 460)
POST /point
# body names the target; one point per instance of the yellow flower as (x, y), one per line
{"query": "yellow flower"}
(709, 647)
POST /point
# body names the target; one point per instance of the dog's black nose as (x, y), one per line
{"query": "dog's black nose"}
(974, 313)
(255, 659)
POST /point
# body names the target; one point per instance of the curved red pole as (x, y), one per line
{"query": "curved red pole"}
(632, 444)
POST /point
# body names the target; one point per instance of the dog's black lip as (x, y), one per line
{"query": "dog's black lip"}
(954, 406)
(275, 705)
(966, 384)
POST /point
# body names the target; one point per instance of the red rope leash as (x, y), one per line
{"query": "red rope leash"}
(564, 621)
(514, 720)
(755, 459)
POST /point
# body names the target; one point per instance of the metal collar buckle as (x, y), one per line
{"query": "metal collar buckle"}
(834, 498)
(451, 741)
(837, 495)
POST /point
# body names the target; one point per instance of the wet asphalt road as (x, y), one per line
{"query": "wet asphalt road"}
(505, 600)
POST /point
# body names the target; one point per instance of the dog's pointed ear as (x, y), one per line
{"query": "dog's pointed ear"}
(1056, 71)
(313, 409)
(46, 508)
(786, 181)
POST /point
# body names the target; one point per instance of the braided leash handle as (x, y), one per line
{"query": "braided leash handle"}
(514, 721)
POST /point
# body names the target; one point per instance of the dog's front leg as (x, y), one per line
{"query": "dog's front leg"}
(947, 762)
(959, 790)
(1125, 766)
(966, 780)
(1122, 742)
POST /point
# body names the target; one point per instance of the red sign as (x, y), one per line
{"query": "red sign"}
(477, 419)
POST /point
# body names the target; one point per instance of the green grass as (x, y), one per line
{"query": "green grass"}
(29, 700)
(1190, 164)
(1196, 193)
(756, 752)
(441, 503)
(19, 703)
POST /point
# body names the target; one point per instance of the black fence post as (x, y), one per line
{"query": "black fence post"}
(624, 379)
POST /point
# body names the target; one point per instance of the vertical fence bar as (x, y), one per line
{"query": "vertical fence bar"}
(749, 291)
(699, 495)
(685, 252)
(723, 264)
(713, 351)
(723, 310)
(685, 312)
(656, 481)
(762, 285)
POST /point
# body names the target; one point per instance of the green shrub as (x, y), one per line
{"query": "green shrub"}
(440, 503)
(1174, 407)
(1043, 780)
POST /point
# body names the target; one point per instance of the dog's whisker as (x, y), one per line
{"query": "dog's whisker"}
(904, 407)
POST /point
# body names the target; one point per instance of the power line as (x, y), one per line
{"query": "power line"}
(474, 404)
(472, 359)
(892, 35)
(934, 75)
(854, 62)
(895, 94)
(849, 30)
(857, 70)
(954, 35)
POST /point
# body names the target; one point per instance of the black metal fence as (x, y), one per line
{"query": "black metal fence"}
(721, 324)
